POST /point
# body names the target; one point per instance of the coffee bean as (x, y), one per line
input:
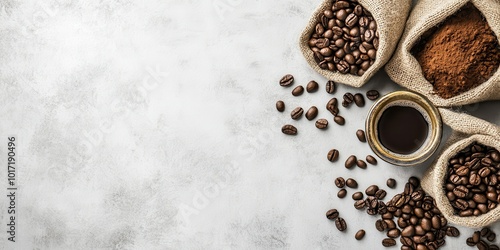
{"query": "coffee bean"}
(345, 104)
(361, 164)
(298, 90)
(340, 224)
(470, 242)
(393, 233)
(286, 80)
(289, 129)
(380, 225)
(361, 135)
(332, 106)
(312, 86)
(339, 120)
(371, 190)
(332, 214)
(372, 95)
(380, 194)
(360, 234)
(350, 162)
(330, 87)
(322, 123)
(359, 100)
(482, 245)
(388, 242)
(491, 237)
(452, 231)
(391, 183)
(342, 193)
(351, 183)
(333, 155)
(348, 98)
(485, 232)
(476, 236)
(280, 106)
(357, 196)
(312, 113)
(493, 247)
(359, 204)
(408, 231)
(351, 20)
(339, 182)
(297, 113)
(370, 159)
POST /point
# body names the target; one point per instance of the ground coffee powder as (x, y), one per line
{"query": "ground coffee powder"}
(459, 54)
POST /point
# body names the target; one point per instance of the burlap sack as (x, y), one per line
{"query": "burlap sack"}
(466, 130)
(390, 16)
(405, 70)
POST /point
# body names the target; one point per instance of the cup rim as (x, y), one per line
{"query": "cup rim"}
(426, 150)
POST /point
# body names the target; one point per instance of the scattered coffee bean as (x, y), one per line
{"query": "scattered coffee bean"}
(452, 231)
(388, 242)
(287, 80)
(360, 234)
(340, 224)
(298, 90)
(371, 190)
(476, 236)
(357, 196)
(484, 232)
(470, 242)
(380, 225)
(339, 182)
(342, 193)
(361, 164)
(322, 123)
(372, 95)
(380, 194)
(491, 237)
(350, 162)
(330, 87)
(472, 180)
(360, 204)
(391, 183)
(333, 155)
(370, 159)
(339, 120)
(332, 106)
(297, 113)
(312, 86)
(361, 135)
(359, 100)
(312, 113)
(332, 214)
(289, 129)
(393, 233)
(348, 98)
(351, 183)
(482, 245)
(280, 106)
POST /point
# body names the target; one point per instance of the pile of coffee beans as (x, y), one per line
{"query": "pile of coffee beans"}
(472, 183)
(345, 38)
(477, 239)
(412, 216)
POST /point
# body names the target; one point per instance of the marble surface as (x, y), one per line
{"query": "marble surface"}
(151, 125)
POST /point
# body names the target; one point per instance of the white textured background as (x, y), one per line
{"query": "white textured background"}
(152, 125)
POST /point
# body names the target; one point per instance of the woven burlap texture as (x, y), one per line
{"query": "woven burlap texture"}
(466, 130)
(405, 70)
(390, 16)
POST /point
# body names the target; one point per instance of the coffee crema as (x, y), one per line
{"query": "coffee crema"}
(402, 129)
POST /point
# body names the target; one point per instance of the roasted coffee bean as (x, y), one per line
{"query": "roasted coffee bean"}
(370, 159)
(470, 242)
(361, 135)
(393, 233)
(491, 237)
(313, 86)
(485, 232)
(351, 20)
(311, 113)
(388, 242)
(298, 90)
(330, 87)
(340, 224)
(333, 155)
(286, 80)
(321, 123)
(332, 106)
(342, 193)
(415, 182)
(371, 190)
(359, 100)
(339, 120)
(372, 95)
(476, 236)
(452, 231)
(345, 104)
(289, 129)
(361, 164)
(332, 214)
(391, 183)
(482, 245)
(280, 106)
(351, 161)
(360, 234)
(297, 113)
(380, 194)
(357, 196)
(351, 183)
(348, 98)
(340, 182)
(380, 225)
(460, 191)
(359, 204)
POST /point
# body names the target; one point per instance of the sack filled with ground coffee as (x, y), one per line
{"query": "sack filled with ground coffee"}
(348, 41)
(450, 52)
(465, 178)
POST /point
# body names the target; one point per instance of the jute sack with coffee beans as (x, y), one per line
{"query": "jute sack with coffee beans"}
(460, 56)
(356, 66)
(467, 130)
